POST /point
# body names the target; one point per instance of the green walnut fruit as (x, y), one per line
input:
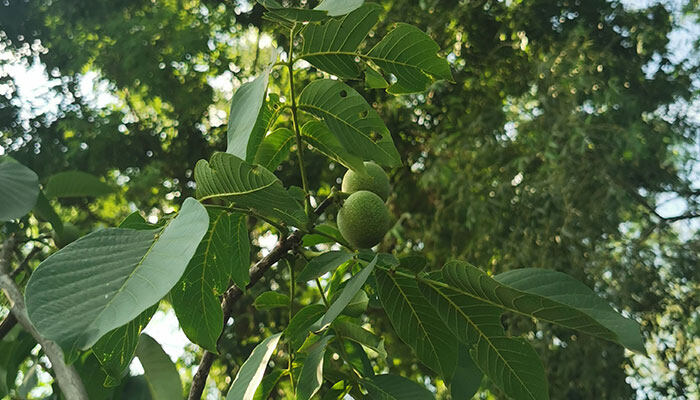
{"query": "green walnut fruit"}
(69, 235)
(376, 181)
(363, 219)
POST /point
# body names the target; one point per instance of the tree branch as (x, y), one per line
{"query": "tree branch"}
(67, 377)
(234, 293)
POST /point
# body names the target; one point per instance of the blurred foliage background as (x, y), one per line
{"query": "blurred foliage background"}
(569, 141)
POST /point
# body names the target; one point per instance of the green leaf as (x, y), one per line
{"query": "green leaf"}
(416, 322)
(413, 262)
(45, 211)
(229, 178)
(355, 123)
(20, 188)
(251, 372)
(322, 264)
(549, 296)
(353, 286)
(374, 80)
(300, 325)
(267, 384)
(275, 148)
(339, 7)
(270, 300)
(467, 377)
(354, 354)
(409, 54)
(330, 46)
(161, 374)
(394, 387)
(510, 363)
(15, 347)
(116, 349)
(317, 134)
(222, 255)
(75, 184)
(564, 297)
(246, 106)
(93, 376)
(329, 231)
(135, 388)
(107, 278)
(347, 329)
(292, 14)
(311, 375)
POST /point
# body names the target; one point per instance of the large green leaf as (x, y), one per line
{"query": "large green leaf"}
(322, 264)
(230, 178)
(275, 148)
(339, 7)
(409, 54)
(467, 378)
(317, 134)
(76, 184)
(348, 293)
(161, 374)
(311, 375)
(116, 349)
(107, 278)
(416, 322)
(246, 106)
(549, 296)
(510, 363)
(19, 188)
(345, 328)
(394, 387)
(251, 372)
(331, 46)
(222, 255)
(301, 323)
(355, 123)
(267, 384)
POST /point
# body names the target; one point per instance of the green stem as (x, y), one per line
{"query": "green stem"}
(297, 131)
(292, 287)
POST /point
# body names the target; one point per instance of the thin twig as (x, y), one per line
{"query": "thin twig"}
(66, 375)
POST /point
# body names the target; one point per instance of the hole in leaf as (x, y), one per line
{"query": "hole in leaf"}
(363, 114)
(375, 137)
(343, 93)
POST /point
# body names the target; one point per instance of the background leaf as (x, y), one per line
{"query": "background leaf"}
(107, 278)
(339, 7)
(222, 255)
(251, 372)
(357, 126)
(229, 178)
(20, 188)
(270, 300)
(409, 54)
(160, 372)
(75, 184)
(322, 264)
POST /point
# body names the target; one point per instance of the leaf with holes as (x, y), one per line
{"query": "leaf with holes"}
(108, 277)
(20, 188)
(355, 123)
(229, 178)
(222, 255)
(331, 46)
(76, 184)
(411, 56)
(416, 322)
(549, 296)
(317, 134)
(275, 148)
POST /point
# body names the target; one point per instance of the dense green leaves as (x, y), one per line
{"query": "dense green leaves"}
(75, 184)
(330, 46)
(348, 293)
(409, 54)
(355, 123)
(394, 387)
(229, 178)
(275, 148)
(243, 140)
(322, 264)
(222, 255)
(19, 186)
(311, 375)
(107, 278)
(251, 372)
(160, 372)
(416, 322)
(547, 295)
